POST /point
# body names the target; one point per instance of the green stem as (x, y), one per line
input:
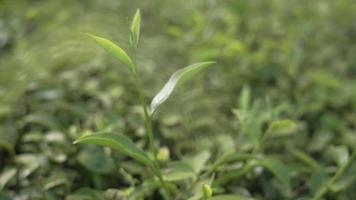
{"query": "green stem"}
(149, 129)
(324, 189)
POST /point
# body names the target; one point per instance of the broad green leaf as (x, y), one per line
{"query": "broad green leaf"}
(114, 50)
(278, 169)
(118, 142)
(176, 79)
(281, 127)
(135, 28)
(230, 197)
(178, 170)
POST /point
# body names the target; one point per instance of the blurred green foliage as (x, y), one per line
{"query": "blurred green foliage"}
(285, 75)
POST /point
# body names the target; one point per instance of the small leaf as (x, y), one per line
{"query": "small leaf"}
(176, 79)
(281, 127)
(278, 169)
(6, 176)
(198, 161)
(135, 28)
(178, 170)
(114, 50)
(230, 197)
(118, 142)
(244, 101)
(95, 160)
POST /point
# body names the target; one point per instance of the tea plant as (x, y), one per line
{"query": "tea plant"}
(177, 170)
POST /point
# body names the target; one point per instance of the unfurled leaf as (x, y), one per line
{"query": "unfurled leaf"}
(230, 197)
(114, 50)
(135, 28)
(278, 169)
(178, 170)
(281, 127)
(176, 79)
(118, 142)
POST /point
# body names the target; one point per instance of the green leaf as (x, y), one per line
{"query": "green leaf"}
(114, 50)
(135, 28)
(245, 96)
(118, 142)
(176, 79)
(230, 197)
(6, 176)
(281, 127)
(278, 169)
(178, 170)
(95, 160)
(198, 161)
(86, 194)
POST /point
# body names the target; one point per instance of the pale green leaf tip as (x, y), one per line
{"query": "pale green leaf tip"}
(90, 35)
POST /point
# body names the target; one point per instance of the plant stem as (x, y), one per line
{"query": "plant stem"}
(324, 189)
(149, 130)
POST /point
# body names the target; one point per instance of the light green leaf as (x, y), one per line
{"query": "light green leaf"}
(230, 197)
(178, 170)
(114, 50)
(135, 28)
(244, 101)
(118, 142)
(5, 176)
(278, 169)
(176, 79)
(198, 161)
(281, 127)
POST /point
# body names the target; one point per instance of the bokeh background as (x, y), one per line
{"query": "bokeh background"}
(297, 58)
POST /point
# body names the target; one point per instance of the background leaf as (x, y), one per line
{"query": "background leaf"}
(230, 197)
(278, 169)
(178, 170)
(281, 127)
(118, 142)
